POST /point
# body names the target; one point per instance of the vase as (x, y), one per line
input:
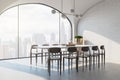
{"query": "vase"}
(79, 41)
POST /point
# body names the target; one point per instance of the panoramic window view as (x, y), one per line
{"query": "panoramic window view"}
(59, 39)
(31, 24)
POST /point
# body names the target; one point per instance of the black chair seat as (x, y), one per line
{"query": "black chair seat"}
(54, 58)
(84, 56)
(70, 57)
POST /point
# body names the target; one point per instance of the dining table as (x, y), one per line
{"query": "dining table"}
(64, 47)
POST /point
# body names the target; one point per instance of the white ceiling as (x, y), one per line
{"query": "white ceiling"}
(81, 6)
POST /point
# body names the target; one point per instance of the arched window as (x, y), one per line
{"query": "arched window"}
(24, 25)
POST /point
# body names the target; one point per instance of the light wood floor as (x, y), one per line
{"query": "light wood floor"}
(20, 69)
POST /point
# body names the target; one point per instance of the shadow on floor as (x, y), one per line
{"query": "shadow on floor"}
(110, 72)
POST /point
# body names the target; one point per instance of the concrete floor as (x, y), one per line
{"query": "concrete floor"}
(20, 69)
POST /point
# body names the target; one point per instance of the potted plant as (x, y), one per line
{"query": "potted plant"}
(79, 39)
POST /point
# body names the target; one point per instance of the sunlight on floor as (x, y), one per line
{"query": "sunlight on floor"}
(20, 69)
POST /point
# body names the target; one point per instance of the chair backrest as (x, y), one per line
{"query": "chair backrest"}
(102, 49)
(72, 49)
(54, 50)
(35, 49)
(95, 48)
(45, 44)
(85, 49)
(63, 44)
(34, 46)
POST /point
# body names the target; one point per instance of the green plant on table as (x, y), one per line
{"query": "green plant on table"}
(78, 36)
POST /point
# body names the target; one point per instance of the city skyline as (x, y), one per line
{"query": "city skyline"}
(36, 26)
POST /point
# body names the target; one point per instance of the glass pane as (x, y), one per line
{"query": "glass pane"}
(37, 26)
(65, 30)
(8, 34)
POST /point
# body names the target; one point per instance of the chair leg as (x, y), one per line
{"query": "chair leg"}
(45, 56)
(104, 59)
(30, 59)
(77, 64)
(36, 58)
(48, 64)
(49, 67)
(68, 64)
(98, 61)
(42, 58)
(86, 61)
(71, 63)
(83, 64)
(63, 64)
(93, 62)
(58, 64)
(101, 58)
(52, 64)
(90, 62)
(60, 67)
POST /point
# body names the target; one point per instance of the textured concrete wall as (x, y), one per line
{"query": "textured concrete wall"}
(101, 25)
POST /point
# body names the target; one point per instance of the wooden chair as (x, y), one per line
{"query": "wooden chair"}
(54, 55)
(95, 54)
(35, 51)
(85, 54)
(45, 51)
(72, 54)
(102, 53)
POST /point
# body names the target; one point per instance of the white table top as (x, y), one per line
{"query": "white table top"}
(61, 46)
